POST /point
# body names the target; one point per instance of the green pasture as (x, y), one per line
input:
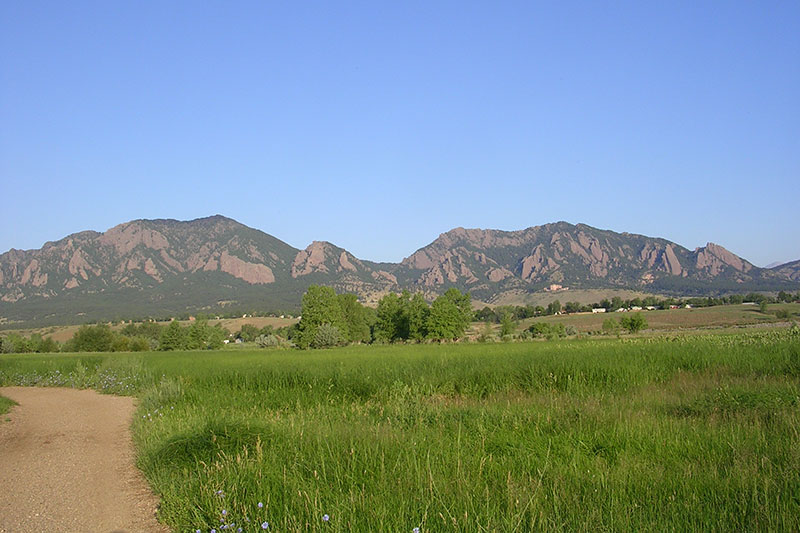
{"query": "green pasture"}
(649, 434)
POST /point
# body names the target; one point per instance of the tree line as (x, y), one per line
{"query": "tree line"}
(330, 319)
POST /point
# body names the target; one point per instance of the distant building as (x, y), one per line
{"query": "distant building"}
(599, 310)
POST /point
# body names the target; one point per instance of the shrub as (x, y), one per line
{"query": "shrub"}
(139, 344)
(611, 326)
(549, 331)
(268, 341)
(326, 336)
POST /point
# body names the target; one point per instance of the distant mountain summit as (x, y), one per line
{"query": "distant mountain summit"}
(487, 262)
(788, 270)
(157, 267)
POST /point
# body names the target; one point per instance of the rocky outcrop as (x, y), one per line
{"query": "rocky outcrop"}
(250, 272)
(714, 259)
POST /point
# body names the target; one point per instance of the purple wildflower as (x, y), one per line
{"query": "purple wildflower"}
(325, 518)
(260, 505)
(265, 525)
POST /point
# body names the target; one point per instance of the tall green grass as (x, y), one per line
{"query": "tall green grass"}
(645, 435)
(6, 404)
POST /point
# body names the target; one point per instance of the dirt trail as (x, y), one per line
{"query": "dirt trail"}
(67, 464)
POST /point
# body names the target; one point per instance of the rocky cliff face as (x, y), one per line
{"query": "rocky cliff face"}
(172, 265)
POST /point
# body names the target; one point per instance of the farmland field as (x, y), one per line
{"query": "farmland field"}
(721, 316)
(648, 434)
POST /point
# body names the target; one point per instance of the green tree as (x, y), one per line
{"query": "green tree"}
(320, 306)
(48, 345)
(93, 339)
(416, 311)
(248, 333)
(634, 322)
(553, 307)
(389, 324)
(201, 336)
(173, 337)
(507, 325)
(450, 315)
(356, 319)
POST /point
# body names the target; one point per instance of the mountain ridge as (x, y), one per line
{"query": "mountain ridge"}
(156, 266)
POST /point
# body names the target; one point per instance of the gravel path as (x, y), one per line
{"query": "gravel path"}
(67, 464)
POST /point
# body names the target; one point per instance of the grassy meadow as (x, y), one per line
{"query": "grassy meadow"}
(650, 434)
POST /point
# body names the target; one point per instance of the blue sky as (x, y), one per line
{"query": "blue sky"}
(379, 125)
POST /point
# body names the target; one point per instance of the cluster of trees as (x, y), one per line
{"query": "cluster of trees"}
(16, 343)
(329, 319)
(197, 336)
(406, 317)
(632, 323)
(131, 338)
(147, 336)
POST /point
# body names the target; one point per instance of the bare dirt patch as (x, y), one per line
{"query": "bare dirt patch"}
(67, 464)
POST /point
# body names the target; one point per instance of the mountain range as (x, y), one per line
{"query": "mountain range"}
(162, 267)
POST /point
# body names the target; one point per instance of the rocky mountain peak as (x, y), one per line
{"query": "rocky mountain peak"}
(713, 258)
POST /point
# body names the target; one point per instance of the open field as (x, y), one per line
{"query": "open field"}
(687, 433)
(679, 319)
